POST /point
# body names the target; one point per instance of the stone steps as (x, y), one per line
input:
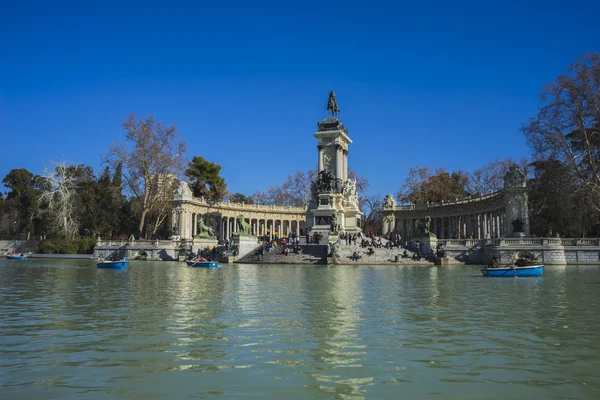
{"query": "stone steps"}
(311, 254)
(381, 254)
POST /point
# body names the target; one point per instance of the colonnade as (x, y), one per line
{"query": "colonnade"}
(482, 225)
(224, 226)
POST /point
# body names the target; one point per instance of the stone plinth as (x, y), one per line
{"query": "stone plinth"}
(428, 243)
(244, 243)
(203, 243)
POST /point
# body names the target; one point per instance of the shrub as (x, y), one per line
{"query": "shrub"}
(83, 245)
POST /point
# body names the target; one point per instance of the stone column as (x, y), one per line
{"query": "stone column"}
(486, 231)
(498, 224)
(442, 232)
(338, 161)
(221, 233)
(344, 165)
(320, 163)
(188, 220)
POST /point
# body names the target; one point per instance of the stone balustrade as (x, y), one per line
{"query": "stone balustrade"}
(549, 250)
(226, 205)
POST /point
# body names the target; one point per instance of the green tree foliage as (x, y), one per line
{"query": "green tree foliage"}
(205, 180)
(21, 202)
(112, 208)
(555, 204)
(240, 198)
(423, 185)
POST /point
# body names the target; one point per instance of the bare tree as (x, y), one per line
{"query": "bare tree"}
(490, 177)
(371, 207)
(423, 185)
(295, 191)
(153, 158)
(567, 126)
(59, 196)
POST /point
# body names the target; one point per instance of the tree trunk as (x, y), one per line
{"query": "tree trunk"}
(142, 220)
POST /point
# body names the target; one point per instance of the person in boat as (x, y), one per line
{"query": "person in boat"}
(493, 262)
(101, 258)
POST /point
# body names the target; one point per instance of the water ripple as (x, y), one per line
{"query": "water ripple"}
(163, 330)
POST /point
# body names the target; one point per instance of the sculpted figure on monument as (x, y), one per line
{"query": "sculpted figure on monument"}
(203, 230)
(332, 106)
(517, 225)
(515, 177)
(326, 161)
(389, 202)
(334, 224)
(183, 191)
(245, 228)
(325, 182)
(440, 252)
(427, 224)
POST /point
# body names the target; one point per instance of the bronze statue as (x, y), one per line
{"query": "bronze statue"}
(332, 106)
(203, 230)
(245, 228)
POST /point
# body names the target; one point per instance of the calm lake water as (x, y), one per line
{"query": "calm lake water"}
(162, 330)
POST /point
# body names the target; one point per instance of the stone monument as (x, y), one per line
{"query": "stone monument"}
(426, 238)
(334, 199)
(244, 240)
(516, 209)
(204, 237)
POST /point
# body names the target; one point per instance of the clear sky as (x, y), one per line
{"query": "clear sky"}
(444, 83)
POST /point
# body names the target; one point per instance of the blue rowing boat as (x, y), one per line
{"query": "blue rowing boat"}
(19, 257)
(510, 272)
(113, 264)
(202, 263)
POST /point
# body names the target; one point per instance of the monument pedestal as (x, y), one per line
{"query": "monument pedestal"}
(245, 243)
(427, 244)
(202, 243)
(334, 203)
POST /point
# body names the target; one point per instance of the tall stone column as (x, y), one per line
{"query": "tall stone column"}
(443, 231)
(221, 233)
(320, 163)
(338, 162)
(485, 225)
(188, 220)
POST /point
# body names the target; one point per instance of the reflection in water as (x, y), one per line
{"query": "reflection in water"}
(160, 330)
(333, 305)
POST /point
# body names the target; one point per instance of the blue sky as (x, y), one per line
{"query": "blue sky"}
(418, 83)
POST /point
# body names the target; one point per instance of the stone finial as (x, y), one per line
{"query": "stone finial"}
(389, 203)
(183, 191)
(515, 177)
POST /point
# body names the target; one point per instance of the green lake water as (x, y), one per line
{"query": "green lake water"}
(162, 330)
